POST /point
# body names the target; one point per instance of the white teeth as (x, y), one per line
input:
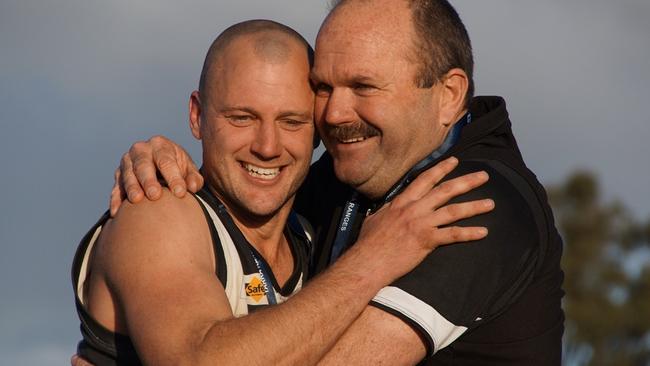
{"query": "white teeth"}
(263, 173)
(353, 140)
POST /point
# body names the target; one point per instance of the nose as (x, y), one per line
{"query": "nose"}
(339, 108)
(267, 143)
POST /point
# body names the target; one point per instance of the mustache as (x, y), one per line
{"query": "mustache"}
(352, 130)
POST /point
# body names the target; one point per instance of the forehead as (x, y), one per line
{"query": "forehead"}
(273, 59)
(365, 36)
(256, 73)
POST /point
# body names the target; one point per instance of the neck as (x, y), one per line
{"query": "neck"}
(264, 232)
(448, 141)
(266, 236)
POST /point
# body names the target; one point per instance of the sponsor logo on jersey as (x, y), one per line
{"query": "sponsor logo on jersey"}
(255, 289)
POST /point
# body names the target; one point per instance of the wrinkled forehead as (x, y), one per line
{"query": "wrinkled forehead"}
(367, 26)
(353, 44)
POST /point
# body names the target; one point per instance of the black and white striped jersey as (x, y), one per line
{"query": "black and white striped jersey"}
(236, 270)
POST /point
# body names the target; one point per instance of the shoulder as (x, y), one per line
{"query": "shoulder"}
(167, 208)
(168, 215)
(154, 233)
(516, 205)
(478, 279)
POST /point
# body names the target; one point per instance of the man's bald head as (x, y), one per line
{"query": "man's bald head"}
(272, 43)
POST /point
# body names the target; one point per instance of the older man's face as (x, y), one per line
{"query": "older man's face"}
(372, 117)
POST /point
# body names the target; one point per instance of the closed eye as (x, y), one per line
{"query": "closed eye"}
(364, 89)
(322, 89)
(362, 86)
(240, 119)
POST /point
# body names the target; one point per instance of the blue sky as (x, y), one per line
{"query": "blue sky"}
(81, 80)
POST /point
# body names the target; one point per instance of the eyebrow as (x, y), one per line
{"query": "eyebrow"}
(349, 79)
(238, 109)
(296, 114)
(305, 115)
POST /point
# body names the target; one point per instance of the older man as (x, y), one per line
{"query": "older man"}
(393, 83)
(170, 282)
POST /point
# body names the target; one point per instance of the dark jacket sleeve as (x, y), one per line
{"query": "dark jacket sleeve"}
(460, 286)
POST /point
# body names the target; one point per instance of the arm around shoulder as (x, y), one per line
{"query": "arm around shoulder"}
(460, 286)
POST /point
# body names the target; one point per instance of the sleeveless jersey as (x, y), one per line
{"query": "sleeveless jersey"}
(240, 269)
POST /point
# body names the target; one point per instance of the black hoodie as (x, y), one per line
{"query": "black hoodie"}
(496, 301)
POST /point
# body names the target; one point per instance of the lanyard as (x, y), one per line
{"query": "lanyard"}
(450, 140)
(265, 272)
(350, 212)
(351, 207)
(262, 268)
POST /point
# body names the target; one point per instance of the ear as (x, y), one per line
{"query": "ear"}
(452, 99)
(195, 114)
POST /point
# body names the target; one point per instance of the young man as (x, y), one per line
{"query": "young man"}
(169, 282)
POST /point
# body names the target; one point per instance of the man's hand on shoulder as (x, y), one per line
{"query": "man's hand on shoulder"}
(418, 220)
(398, 237)
(137, 175)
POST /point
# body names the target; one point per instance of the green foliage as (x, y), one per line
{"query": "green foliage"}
(607, 305)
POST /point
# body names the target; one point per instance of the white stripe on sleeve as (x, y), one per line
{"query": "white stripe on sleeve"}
(442, 331)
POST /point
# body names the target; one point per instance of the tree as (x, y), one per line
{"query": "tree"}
(607, 300)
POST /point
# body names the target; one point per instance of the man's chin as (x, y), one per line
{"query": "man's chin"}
(262, 208)
(351, 172)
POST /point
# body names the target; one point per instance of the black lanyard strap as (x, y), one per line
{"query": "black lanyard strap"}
(265, 276)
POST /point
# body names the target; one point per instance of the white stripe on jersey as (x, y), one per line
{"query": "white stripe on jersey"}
(442, 331)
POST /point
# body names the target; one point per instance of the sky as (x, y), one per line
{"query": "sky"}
(81, 80)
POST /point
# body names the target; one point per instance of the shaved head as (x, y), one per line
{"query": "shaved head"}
(272, 43)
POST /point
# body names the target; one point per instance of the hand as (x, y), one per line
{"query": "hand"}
(78, 361)
(403, 232)
(137, 172)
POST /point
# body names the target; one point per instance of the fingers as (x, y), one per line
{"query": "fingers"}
(449, 214)
(117, 193)
(78, 361)
(429, 178)
(129, 180)
(458, 234)
(194, 178)
(447, 190)
(139, 172)
(452, 213)
(175, 166)
(167, 162)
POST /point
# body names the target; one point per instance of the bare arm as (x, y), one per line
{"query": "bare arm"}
(177, 283)
(377, 338)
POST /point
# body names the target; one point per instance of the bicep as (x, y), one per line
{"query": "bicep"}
(377, 337)
(160, 271)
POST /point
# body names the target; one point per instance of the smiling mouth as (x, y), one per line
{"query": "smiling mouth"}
(352, 140)
(259, 172)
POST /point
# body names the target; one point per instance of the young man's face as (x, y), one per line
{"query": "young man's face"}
(371, 116)
(257, 128)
